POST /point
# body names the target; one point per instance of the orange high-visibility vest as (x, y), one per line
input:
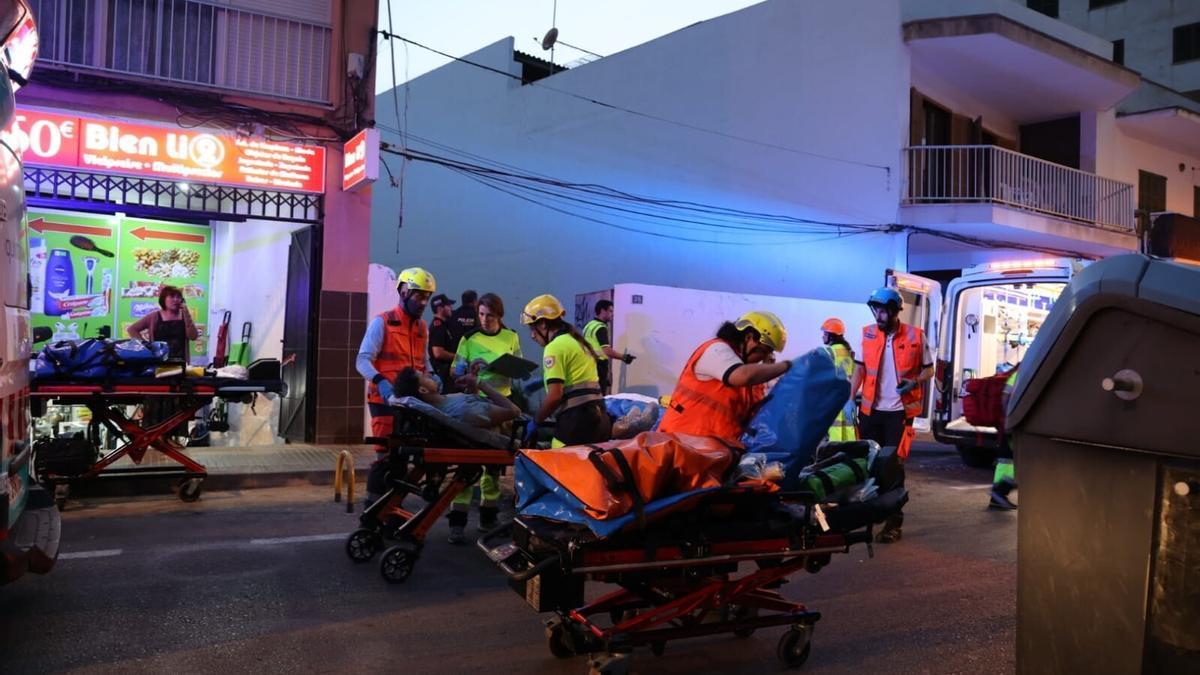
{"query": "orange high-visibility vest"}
(709, 407)
(907, 351)
(404, 343)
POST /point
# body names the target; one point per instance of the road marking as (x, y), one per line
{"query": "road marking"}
(298, 540)
(106, 553)
(971, 487)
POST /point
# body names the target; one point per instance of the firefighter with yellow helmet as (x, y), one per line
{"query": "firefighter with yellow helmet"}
(569, 373)
(720, 385)
(395, 340)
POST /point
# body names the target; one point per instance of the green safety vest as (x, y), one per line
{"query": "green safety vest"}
(843, 427)
(590, 333)
(480, 345)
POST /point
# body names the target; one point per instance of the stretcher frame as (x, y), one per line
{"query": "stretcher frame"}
(105, 401)
(672, 592)
(437, 475)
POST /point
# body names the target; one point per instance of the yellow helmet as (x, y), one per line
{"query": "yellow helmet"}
(770, 329)
(417, 279)
(542, 307)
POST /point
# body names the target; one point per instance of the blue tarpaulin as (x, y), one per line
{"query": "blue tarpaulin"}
(797, 414)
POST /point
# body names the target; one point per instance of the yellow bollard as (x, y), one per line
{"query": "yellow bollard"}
(344, 460)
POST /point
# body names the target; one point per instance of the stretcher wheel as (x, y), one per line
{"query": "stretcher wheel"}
(397, 564)
(363, 544)
(559, 641)
(189, 489)
(795, 646)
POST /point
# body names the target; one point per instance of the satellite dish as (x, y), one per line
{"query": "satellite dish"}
(549, 40)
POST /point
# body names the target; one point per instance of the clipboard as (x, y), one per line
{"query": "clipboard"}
(512, 366)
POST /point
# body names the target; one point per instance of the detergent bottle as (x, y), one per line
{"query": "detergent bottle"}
(60, 281)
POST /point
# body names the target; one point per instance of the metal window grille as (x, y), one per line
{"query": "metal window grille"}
(190, 42)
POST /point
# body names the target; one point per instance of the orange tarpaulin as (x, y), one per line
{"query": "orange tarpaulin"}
(659, 465)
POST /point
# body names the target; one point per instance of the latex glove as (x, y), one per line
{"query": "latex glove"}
(531, 432)
(385, 389)
(628, 358)
(906, 386)
(441, 386)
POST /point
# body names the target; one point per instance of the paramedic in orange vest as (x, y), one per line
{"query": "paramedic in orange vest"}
(394, 341)
(719, 388)
(895, 359)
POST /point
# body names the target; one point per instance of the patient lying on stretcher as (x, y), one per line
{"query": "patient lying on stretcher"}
(469, 407)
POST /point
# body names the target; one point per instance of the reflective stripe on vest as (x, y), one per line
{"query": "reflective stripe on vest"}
(576, 395)
(907, 353)
(708, 407)
(404, 342)
(589, 333)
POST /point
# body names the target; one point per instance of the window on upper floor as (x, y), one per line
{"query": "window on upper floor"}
(1047, 7)
(1119, 51)
(248, 46)
(1186, 45)
(1152, 192)
(1196, 201)
(1097, 4)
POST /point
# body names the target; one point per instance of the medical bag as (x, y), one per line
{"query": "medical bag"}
(64, 455)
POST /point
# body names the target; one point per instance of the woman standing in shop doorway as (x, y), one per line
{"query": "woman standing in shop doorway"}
(172, 324)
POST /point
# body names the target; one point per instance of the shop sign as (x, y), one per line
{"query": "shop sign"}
(360, 157)
(117, 146)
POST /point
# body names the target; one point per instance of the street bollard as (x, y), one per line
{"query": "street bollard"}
(344, 460)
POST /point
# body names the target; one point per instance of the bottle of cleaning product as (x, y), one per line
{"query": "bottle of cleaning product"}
(37, 273)
(60, 281)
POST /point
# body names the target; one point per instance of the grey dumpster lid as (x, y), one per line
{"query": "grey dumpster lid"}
(1167, 283)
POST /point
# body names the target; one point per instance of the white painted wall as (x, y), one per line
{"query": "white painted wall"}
(1147, 26)
(249, 271)
(669, 323)
(801, 75)
(1128, 155)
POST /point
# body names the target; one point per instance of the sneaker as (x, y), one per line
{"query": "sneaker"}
(457, 535)
(1001, 502)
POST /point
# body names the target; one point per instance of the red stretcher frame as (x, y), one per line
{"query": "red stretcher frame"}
(105, 401)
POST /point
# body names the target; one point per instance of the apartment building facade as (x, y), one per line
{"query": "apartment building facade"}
(961, 133)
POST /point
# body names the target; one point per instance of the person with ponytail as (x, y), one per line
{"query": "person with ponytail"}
(569, 373)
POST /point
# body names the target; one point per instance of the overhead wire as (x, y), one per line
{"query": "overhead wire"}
(638, 113)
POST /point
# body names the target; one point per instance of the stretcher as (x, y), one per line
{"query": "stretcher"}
(107, 399)
(705, 566)
(433, 458)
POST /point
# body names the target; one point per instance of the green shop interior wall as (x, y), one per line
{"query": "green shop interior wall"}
(75, 291)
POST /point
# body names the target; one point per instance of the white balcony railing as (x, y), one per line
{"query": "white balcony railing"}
(188, 42)
(986, 173)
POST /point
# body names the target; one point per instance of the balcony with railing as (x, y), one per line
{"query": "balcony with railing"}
(190, 43)
(958, 174)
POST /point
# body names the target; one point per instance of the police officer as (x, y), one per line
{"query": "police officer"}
(596, 334)
(569, 373)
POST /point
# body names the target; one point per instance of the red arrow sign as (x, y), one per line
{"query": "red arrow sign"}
(42, 225)
(144, 233)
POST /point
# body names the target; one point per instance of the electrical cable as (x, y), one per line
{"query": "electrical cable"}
(886, 169)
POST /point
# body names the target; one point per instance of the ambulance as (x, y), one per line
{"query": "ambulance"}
(984, 321)
(29, 521)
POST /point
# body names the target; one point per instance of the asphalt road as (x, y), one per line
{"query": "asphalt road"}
(258, 580)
